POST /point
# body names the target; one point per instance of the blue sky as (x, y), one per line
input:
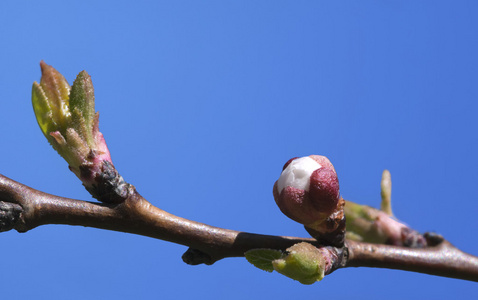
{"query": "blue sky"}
(201, 104)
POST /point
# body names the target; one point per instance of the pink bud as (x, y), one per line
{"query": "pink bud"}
(307, 191)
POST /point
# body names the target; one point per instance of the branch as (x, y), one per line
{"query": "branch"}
(135, 215)
(23, 208)
(442, 260)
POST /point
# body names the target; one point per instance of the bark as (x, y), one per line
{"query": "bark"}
(23, 208)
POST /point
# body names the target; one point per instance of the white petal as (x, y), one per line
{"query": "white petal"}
(297, 174)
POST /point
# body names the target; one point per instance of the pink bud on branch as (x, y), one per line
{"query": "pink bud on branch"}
(307, 191)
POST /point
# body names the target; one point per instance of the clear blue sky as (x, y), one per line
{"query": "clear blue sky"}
(202, 102)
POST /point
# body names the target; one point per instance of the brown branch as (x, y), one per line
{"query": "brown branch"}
(442, 260)
(138, 216)
(24, 208)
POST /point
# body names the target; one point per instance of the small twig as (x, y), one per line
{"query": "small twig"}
(25, 208)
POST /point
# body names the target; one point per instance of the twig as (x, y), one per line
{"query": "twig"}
(136, 215)
(442, 260)
(23, 208)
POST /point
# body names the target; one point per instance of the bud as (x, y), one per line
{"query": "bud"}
(67, 118)
(307, 191)
(367, 224)
(386, 192)
(303, 262)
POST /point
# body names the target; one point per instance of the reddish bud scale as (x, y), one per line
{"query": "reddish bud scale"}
(288, 163)
(324, 185)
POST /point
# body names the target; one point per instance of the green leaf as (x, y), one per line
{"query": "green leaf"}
(55, 90)
(42, 109)
(82, 106)
(262, 258)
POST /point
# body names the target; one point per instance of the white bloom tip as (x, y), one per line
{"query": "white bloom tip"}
(297, 174)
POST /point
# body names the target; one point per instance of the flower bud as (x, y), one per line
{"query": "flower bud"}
(307, 191)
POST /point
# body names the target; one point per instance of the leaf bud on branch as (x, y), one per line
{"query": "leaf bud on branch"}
(67, 118)
(302, 262)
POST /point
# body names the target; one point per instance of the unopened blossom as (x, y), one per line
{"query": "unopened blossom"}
(307, 191)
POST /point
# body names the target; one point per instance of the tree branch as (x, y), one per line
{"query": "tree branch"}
(23, 208)
(442, 260)
(135, 215)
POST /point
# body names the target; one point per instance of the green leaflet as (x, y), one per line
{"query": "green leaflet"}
(82, 106)
(262, 258)
(43, 111)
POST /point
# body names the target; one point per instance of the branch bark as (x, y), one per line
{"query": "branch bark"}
(135, 215)
(442, 260)
(23, 208)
